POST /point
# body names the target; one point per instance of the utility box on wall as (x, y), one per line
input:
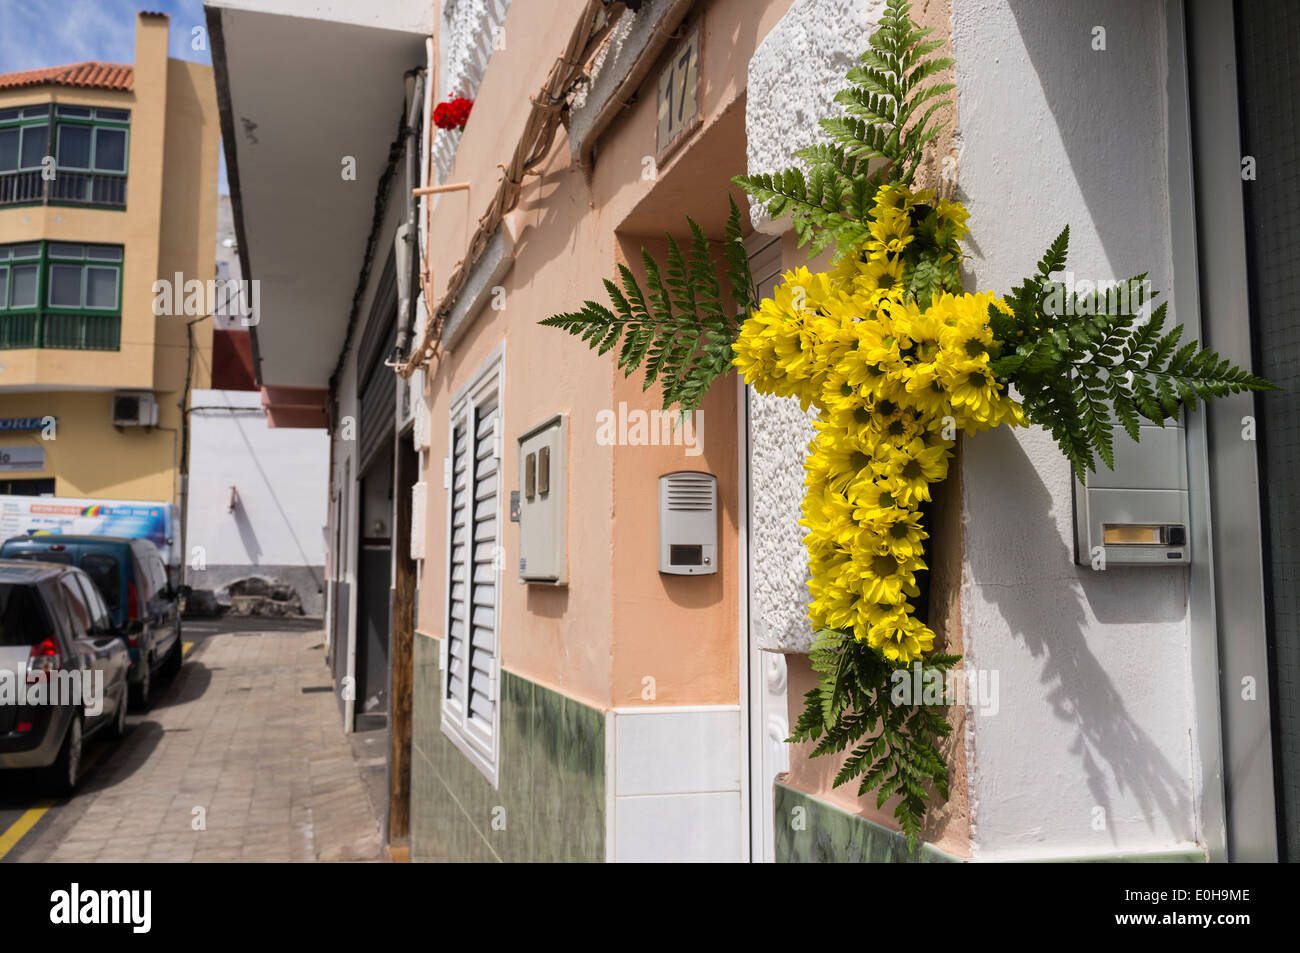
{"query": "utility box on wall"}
(688, 523)
(1137, 513)
(543, 499)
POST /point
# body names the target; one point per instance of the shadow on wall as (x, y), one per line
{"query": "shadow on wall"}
(1094, 129)
(1111, 744)
(248, 535)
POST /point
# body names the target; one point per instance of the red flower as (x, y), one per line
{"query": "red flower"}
(452, 114)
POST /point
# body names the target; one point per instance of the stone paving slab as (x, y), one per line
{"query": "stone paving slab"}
(236, 736)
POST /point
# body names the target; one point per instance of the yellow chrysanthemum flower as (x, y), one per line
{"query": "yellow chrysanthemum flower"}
(891, 232)
(883, 577)
(892, 383)
(901, 638)
(912, 468)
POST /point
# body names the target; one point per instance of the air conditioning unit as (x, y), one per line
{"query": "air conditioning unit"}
(134, 408)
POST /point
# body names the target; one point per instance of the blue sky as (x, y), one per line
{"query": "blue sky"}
(37, 33)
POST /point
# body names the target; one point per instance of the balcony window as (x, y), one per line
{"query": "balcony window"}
(90, 149)
(60, 295)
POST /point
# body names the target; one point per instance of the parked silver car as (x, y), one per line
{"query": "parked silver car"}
(63, 669)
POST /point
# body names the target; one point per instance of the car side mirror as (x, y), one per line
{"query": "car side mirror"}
(109, 630)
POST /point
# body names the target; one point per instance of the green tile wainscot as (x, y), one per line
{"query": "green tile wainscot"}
(550, 803)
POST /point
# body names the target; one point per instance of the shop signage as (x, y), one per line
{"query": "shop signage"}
(8, 424)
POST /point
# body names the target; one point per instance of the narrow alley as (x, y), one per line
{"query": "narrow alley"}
(241, 758)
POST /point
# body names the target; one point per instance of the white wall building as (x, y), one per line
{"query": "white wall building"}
(257, 497)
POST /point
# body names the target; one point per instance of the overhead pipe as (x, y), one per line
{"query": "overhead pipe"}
(407, 239)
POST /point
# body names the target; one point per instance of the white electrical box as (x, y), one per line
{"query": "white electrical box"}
(543, 501)
(419, 509)
(419, 410)
(688, 523)
(1137, 513)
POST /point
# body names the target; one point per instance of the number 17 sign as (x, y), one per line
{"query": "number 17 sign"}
(679, 92)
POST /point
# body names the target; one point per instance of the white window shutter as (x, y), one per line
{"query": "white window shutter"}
(482, 647)
(460, 479)
(471, 648)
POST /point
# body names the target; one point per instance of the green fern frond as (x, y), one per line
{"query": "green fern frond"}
(677, 329)
(892, 747)
(1086, 366)
(889, 110)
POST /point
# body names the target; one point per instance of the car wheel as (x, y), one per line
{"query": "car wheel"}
(119, 720)
(66, 770)
(143, 689)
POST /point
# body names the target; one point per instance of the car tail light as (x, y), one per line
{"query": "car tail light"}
(44, 659)
(23, 727)
(132, 602)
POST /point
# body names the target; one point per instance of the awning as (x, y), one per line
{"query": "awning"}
(311, 96)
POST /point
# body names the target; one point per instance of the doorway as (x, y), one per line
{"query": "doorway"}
(374, 578)
(765, 679)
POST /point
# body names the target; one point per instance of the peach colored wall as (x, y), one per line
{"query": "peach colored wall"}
(618, 619)
(682, 631)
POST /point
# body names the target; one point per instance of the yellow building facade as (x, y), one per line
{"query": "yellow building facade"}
(108, 183)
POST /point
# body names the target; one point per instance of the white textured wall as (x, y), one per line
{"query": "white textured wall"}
(281, 476)
(1096, 701)
(793, 77)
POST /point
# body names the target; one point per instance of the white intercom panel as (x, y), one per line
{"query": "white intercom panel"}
(688, 523)
(1137, 513)
(543, 501)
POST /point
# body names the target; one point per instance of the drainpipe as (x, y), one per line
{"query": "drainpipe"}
(407, 252)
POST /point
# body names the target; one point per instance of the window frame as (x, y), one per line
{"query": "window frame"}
(481, 748)
(75, 604)
(100, 621)
(45, 260)
(23, 122)
(116, 577)
(51, 117)
(7, 264)
(94, 123)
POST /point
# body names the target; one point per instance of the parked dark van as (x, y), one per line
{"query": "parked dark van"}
(133, 580)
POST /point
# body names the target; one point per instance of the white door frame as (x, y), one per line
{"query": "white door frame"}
(756, 791)
(744, 689)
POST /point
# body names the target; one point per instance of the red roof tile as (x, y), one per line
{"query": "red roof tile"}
(89, 75)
